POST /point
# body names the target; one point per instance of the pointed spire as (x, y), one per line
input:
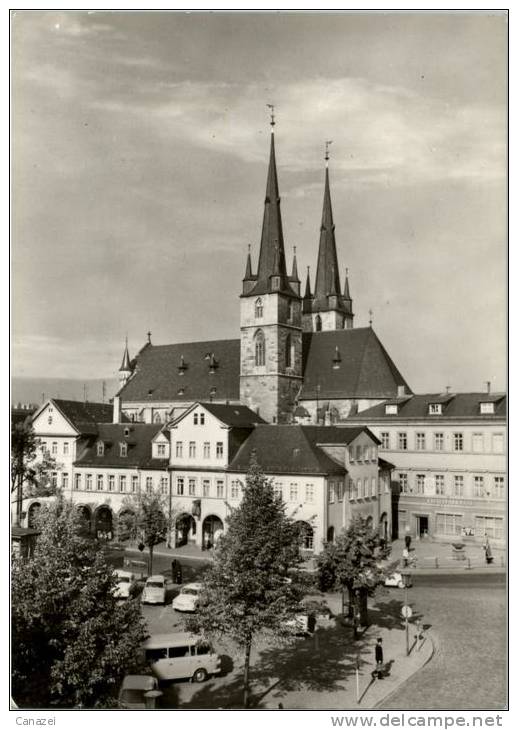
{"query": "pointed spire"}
(328, 277)
(126, 362)
(248, 272)
(294, 273)
(347, 294)
(307, 293)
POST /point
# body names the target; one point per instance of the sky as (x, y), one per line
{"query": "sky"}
(139, 159)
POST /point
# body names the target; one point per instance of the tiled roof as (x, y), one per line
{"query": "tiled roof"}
(292, 449)
(366, 370)
(139, 447)
(158, 378)
(456, 405)
(238, 416)
(85, 416)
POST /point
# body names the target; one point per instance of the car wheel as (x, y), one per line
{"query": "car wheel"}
(200, 675)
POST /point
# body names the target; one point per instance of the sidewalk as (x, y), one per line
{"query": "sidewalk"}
(431, 556)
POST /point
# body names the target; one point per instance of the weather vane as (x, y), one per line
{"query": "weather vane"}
(370, 317)
(328, 142)
(272, 113)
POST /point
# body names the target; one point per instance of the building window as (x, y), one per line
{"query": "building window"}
(478, 486)
(358, 488)
(478, 443)
(366, 453)
(351, 453)
(179, 485)
(219, 449)
(439, 485)
(402, 441)
(458, 485)
(192, 487)
(179, 449)
(391, 409)
(499, 487)
(88, 482)
(365, 487)
(54, 479)
(438, 441)
(260, 358)
(373, 453)
(192, 449)
(258, 308)
(54, 448)
(420, 441)
(498, 443)
(77, 481)
(122, 483)
(202, 419)
(435, 409)
(403, 483)
(100, 449)
(111, 482)
(277, 490)
(160, 449)
(340, 490)
(220, 486)
(195, 419)
(100, 485)
(374, 485)
(458, 442)
(358, 453)
(64, 480)
(123, 449)
(385, 440)
(134, 484)
(149, 485)
(206, 450)
(164, 485)
(487, 408)
(318, 323)
(419, 483)
(65, 448)
(234, 489)
(206, 487)
(294, 492)
(448, 524)
(489, 527)
(331, 493)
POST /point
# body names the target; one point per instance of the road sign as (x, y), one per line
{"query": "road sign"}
(406, 611)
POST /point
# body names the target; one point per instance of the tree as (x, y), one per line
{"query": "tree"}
(146, 517)
(30, 476)
(353, 563)
(247, 591)
(72, 640)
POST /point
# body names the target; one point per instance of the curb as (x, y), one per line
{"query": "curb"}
(411, 676)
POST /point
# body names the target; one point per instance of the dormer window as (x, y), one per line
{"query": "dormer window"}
(182, 367)
(100, 448)
(435, 409)
(258, 308)
(126, 432)
(391, 409)
(487, 408)
(123, 449)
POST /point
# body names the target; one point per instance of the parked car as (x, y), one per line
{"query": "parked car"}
(188, 598)
(302, 624)
(126, 583)
(133, 690)
(181, 656)
(395, 580)
(155, 590)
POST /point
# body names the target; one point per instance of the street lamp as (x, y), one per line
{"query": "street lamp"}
(406, 577)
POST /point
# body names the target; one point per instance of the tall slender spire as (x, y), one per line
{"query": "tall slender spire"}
(307, 293)
(126, 362)
(248, 272)
(294, 273)
(347, 294)
(272, 261)
(328, 277)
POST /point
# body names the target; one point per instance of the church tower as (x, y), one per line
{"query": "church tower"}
(125, 369)
(271, 328)
(329, 310)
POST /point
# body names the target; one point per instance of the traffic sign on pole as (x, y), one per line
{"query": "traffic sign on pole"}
(406, 611)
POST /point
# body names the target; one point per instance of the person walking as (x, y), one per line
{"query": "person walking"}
(408, 542)
(378, 656)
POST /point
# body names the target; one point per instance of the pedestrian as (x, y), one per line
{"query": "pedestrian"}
(408, 541)
(489, 555)
(378, 656)
(406, 556)
(174, 568)
(178, 574)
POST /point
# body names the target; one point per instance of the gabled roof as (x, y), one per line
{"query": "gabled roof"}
(139, 447)
(366, 370)
(238, 415)
(458, 405)
(293, 449)
(83, 416)
(157, 375)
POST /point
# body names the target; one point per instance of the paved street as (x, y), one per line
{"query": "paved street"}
(467, 614)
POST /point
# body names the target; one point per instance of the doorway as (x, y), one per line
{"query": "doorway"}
(422, 525)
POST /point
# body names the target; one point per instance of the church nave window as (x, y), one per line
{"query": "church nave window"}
(258, 308)
(318, 323)
(259, 348)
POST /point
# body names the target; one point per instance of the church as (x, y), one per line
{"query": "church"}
(299, 358)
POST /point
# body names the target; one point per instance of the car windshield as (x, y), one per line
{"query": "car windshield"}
(155, 584)
(133, 697)
(189, 592)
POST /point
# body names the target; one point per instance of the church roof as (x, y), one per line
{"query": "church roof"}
(160, 376)
(455, 405)
(365, 370)
(137, 436)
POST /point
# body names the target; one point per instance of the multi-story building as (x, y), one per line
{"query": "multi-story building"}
(449, 456)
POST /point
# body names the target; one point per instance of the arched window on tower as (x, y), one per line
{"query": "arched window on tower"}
(258, 308)
(289, 352)
(318, 323)
(259, 348)
(290, 310)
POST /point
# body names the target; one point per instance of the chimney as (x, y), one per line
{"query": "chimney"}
(488, 383)
(116, 409)
(401, 391)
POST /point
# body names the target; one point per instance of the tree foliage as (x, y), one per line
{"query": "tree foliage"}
(72, 640)
(30, 469)
(354, 563)
(247, 591)
(146, 517)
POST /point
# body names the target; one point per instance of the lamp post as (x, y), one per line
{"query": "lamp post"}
(407, 611)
